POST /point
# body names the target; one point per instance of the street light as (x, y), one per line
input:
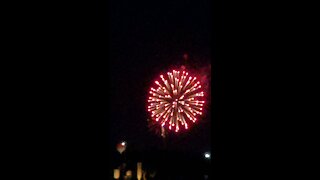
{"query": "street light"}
(121, 147)
(116, 173)
(207, 155)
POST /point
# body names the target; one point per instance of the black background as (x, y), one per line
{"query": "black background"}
(58, 57)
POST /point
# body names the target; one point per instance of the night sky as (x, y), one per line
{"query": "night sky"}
(76, 77)
(145, 39)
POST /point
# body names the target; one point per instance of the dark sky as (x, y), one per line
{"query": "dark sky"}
(64, 102)
(146, 38)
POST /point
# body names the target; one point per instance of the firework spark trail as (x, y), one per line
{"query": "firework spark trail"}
(176, 100)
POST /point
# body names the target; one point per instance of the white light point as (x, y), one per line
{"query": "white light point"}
(207, 155)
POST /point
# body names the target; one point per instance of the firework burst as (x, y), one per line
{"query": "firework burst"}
(176, 100)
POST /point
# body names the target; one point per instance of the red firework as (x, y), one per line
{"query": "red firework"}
(176, 100)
